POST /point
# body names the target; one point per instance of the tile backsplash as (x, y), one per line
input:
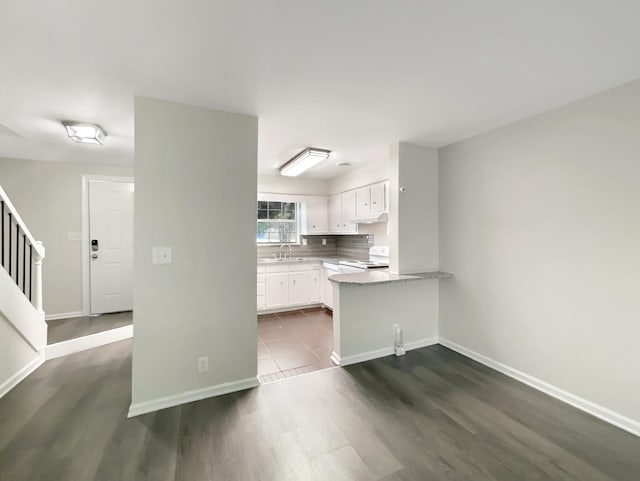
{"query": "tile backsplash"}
(352, 246)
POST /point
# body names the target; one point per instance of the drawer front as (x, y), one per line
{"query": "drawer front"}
(314, 267)
(299, 267)
(277, 268)
(261, 303)
(261, 277)
(261, 289)
(262, 269)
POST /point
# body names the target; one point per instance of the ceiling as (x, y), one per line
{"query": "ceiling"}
(349, 76)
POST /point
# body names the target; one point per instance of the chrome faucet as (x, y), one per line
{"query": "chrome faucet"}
(285, 254)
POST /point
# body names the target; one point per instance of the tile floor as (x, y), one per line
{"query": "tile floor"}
(294, 342)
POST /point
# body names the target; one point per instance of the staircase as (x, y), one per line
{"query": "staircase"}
(23, 330)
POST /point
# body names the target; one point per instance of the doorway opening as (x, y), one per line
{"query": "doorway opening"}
(107, 269)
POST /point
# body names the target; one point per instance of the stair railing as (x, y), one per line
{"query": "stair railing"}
(20, 254)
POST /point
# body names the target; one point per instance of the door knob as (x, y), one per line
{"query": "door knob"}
(94, 256)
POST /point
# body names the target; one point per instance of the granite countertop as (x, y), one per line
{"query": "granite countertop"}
(383, 276)
(298, 260)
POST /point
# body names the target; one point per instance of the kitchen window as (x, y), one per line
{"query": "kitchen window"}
(278, 222)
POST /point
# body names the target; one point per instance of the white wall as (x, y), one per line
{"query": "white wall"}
(196, 192)
(364, 316)
(278, 184)
(368, 174)
(48, 197)
(540, 222)
(413, 213)
(15, 355)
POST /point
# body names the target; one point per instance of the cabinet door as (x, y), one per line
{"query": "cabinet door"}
(363, 201)
(277, 290)
(261, 290)
(335, 213)
(349, 212)
(314, 286)
(378, 197)
(317, 221)
(298, 288)
(327, 290)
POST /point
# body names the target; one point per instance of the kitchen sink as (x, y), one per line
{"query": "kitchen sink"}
(275, 261)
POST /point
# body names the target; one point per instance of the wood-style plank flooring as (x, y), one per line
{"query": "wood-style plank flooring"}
(65, 329)
(430, 415)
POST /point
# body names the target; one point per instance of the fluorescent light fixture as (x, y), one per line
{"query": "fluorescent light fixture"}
(304, 161)
(85, 133)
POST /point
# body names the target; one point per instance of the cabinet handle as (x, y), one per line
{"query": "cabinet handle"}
(282, 283)
(294, 282)
(374, 203)
(367, 204)
(314, 226)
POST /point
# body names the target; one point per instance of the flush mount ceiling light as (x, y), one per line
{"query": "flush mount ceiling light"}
(85, 133)
(304, 161)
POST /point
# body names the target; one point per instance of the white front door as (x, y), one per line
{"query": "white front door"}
(111, 246)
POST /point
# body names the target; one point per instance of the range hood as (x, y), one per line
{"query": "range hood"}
(371, 218)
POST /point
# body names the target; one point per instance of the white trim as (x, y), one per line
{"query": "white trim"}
(136, 409)
(65, 348)
(594, 409)
(63, 315)
(335, 358)
(86, 276)
(21, 375)
(387, 351)
(299, 307)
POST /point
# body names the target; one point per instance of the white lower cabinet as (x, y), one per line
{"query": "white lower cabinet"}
(314, 287)
(298, 288)
(277, 290)
(261, 291)
(288, 285)
(327, 288)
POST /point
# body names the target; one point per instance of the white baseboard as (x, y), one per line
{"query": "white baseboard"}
(63, 315)
(21, 375)
(335, 358)
(136, 409)
(65, 348)
(596, 410)
(302, 307)
(387, 351)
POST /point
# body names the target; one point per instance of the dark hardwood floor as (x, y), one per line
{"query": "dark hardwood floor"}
(430, 415)
(65, 329)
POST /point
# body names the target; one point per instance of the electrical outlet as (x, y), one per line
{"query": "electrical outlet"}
(304, 241)
(203, 364)
(324, 242)
(74, 236)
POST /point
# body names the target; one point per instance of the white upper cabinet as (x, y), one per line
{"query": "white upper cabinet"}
(378, 197)
(335, 213)
(342, 211)
(317, 218)
(363, 201)
(349, 212)
(371, 200)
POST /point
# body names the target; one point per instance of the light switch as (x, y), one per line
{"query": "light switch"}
(74, 236)
(161, 255)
